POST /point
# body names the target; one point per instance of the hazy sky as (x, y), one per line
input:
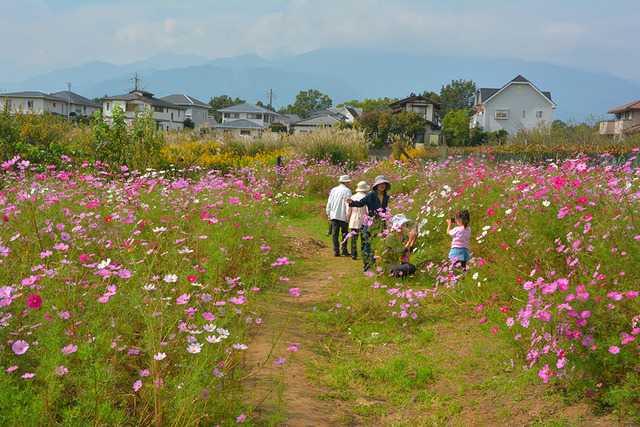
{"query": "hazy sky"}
(597, 35)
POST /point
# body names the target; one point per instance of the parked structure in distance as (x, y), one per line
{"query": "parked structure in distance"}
(167, 115)
(196, 110)
(63, 103)
(626, 121)
(516, 106)
(427, 109)
(247, 119)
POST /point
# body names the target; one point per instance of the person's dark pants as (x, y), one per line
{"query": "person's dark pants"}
(367, 233)
(354, 242)
(401, 270)
(339, 226)
(330, 232)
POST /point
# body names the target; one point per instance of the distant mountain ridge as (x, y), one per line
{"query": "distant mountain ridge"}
(343, 74)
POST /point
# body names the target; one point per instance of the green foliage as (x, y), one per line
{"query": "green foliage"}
(189, 124)
(268, 107)
(136, 148)
(457, 95)
(309, 100)
(277, 127)
(381, 124)
(369, 105)
(220, 102)
(336, 146)
(455, 128)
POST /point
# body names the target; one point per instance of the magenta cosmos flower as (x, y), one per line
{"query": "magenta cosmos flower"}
(34, 301)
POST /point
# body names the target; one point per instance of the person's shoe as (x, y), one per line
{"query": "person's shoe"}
(345, 253)
(354, 256)
(336, 254)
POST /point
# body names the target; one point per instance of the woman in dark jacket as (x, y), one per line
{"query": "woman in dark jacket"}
(376, 202)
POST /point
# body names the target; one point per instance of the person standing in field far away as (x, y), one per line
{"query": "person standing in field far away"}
(461, 235)
(376, 202)
(355, 216)
(337, 213)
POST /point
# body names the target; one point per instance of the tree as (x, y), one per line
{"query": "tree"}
(455, 128)
(306, 101)
(369, 105)
(381, 124)
(457, 95)
(188, 123)
(220, 102)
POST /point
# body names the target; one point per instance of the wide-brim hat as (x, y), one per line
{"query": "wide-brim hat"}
(363, 187)
(345, 178)
(380, 179)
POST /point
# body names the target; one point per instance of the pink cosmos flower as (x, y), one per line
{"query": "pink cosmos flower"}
(70, 349)
(241, 418)
(137, 385)
(13, 368)
(28, 375)
(34, 301)
(144, 373)
(614, 349)
(61, 370)
(20, 347)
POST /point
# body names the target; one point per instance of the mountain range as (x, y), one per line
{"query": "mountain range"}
(343, 74)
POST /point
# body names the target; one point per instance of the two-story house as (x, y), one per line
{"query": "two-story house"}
(515, 106)
(326, 118)
(196, 110)
(247, 119)
(626, 122)
(168, 116)
(34, 102)
(77, 104)
(426, 108)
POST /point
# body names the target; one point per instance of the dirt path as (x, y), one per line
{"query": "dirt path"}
(284, 387)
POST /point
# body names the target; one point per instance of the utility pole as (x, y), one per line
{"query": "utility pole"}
(270, 98)
(68, 100)
(135, 79)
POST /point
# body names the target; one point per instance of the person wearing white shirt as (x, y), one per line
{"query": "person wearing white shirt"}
(337, 213)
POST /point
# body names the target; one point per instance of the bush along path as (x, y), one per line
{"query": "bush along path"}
(336, 353)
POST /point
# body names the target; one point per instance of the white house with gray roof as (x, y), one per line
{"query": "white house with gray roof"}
(78, 104)
(168, 116)
(248, 119)
(196, 110)
(34, 102)
(516, 106)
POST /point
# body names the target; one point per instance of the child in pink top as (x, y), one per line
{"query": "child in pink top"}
(461, 235)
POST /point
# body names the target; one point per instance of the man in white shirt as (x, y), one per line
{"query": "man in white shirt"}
(337, 213)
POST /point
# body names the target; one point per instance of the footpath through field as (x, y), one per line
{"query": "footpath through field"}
(441, 372)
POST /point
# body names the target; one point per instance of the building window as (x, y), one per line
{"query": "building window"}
(107, 106)
(158, 109)
(524, 114)
(84, 110)
(539, 114)
(502, 114)
(54, 105)
(171, 116)
(519, 89)
(245, 132)
(29, 104)
(254, 116)
(231, 115)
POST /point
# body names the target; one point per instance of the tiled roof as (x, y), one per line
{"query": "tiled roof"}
(31, 94)
(182, 99)
(239, 124)
(145, 97)
(487, 93)
(76, 99)
(247, 108)
(635, 105)
(318, 121)
(411, 99)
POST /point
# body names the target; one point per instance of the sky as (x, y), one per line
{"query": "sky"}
(37, 36)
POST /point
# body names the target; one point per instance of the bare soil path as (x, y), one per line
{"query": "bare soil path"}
(285, 387)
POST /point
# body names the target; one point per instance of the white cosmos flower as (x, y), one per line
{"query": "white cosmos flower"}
(546, 203)
(149, 287)
(210, 327)
(104, 264)
(240, 346)
(159, 229)
(194, 348)
(223, 332)
(475, 276)
(160, 356)
(170, 278)
(213, 339)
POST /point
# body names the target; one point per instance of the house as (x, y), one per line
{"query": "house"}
(196, 110)
(515, 106)
(426, 108)
(79, 105)
(168, 116)
(626, 122)
(247, 119)
(35, 102)
(315, 123)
